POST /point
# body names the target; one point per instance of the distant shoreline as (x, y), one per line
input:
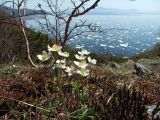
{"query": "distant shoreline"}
(132, 14)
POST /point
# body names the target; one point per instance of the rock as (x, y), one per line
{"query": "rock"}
(141, 70)
(114, 65)
(151, 64)
(153, 109)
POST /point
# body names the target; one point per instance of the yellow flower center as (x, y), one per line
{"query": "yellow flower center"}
(81, 63)
(45, 56)
(83, 72)
(56, 47)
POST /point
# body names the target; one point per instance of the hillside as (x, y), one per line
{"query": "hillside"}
(12, 43)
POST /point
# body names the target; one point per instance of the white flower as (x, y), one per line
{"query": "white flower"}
(61, 61)
(69, 70)
(14, 66)
(58, 61)
(54, 48)
(63, 54)
(80, 57)
(63, 66)
(92, 61)
(53, 67)
(81, 64)
(44, 56)
(83, 52)
(83, 72)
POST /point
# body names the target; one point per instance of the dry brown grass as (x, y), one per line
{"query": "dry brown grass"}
(37, 87)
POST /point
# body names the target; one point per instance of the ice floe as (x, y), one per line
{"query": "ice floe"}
(76, 37)
(71, 39)
(158, 38)
(124, 45)
(120, 41)
(89, 38)
(78, 46)
(111, 46)
(103, 45)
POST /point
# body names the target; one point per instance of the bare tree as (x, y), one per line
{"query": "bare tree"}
(62, 27)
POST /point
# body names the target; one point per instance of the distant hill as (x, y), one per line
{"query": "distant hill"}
(113, 11)
(11, 11)
(96, 11)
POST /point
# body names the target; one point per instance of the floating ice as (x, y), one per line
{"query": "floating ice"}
(147, 44)
(78, 46)
(149, 33)
(137, 29)
(71, 39)
(124, 45)
(108, 38)
(158, 38)
(76, 37)
(111, 46)
(96, 36)
(91, 46)
(125, 57)
(103, 45)
(120, 41)
(89, 38)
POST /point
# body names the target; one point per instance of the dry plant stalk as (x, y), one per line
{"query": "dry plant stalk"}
(22, 27)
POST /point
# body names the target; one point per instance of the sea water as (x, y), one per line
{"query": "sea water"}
(121, 35)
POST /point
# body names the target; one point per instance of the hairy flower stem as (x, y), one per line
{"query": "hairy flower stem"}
(60, 87)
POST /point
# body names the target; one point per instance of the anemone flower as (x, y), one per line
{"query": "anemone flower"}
(80, 57)
(83, 72)
(63, 54)
(61, 61)
(81, 64)
(44, 56)
(69, 70)
(63, 66)
(83, 52)
(92, 61)
(54, 48)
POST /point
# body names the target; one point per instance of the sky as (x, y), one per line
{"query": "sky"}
(142, 5)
